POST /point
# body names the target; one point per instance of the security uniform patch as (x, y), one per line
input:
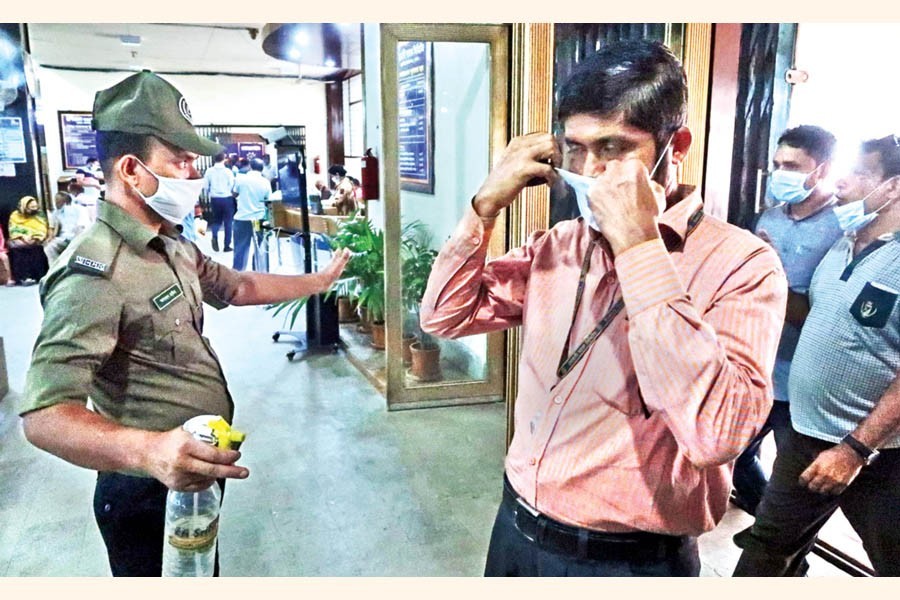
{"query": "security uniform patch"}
(166, 297)
(94, 266)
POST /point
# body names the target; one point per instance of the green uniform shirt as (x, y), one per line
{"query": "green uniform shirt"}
(123, 325)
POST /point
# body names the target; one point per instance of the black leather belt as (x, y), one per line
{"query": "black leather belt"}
(581, 543)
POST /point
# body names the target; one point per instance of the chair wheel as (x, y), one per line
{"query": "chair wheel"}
(275, 337)
(290, 356)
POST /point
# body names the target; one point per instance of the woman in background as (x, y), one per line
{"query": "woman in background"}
(28, 230)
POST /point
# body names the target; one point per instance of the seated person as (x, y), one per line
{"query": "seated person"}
(67, 221)
(4, 260)
(324, 190)
(346, 194)
(28, 230)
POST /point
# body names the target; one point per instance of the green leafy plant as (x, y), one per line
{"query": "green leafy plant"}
(363, 278)
(417, 261)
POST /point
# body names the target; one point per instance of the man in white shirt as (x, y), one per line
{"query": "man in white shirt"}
(67, 221)
(251, 190)
(218, 185)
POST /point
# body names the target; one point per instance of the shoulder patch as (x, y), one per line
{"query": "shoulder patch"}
(94, 252)
(90, 264)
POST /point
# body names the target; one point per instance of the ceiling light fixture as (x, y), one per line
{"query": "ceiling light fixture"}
(302, 38)
(294, 54)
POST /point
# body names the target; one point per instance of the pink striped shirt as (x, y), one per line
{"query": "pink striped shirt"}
(642, 433)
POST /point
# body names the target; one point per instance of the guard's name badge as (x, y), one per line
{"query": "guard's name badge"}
(166, 297)
(93, 265)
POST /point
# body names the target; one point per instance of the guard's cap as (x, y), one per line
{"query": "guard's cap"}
(145, 103)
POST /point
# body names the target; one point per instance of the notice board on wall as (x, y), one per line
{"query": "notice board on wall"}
(77, 138)
(415, 131)
(12, 140)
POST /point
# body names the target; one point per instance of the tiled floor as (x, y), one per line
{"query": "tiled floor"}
(338, 485)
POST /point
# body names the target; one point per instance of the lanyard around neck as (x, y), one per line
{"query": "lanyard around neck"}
(566, 362)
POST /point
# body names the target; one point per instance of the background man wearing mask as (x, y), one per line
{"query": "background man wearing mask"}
(801, 229)
(625, 422)
(844, 389)
(123, 325)
(67, 221)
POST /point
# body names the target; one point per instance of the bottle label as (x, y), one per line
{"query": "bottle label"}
(194, 538)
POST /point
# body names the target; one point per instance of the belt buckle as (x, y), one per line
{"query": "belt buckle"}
(534, 514)
(526, 506)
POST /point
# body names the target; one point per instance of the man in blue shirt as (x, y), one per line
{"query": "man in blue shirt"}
(218, 185)
(844, 389)
(251, 190)
(801, 228)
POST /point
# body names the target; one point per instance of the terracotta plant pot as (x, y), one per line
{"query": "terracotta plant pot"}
(346, 310)
(408, 340)
(364, 325)
(378, 335)
(426, 362)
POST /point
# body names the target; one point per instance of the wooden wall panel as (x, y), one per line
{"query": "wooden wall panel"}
(697, 59)
(532, 110)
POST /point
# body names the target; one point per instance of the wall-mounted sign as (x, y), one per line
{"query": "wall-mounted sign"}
(12, 140)
(414, 130)
(251, 150)
(77, 139)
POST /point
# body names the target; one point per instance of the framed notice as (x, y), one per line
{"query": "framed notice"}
(415, 132)
(12, 140)
(77, 139)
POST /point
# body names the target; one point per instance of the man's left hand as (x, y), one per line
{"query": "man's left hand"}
(626, 204)
(334, 269)
(833, 470)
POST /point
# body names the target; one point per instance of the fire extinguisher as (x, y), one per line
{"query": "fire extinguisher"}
(317, 168)
(369, 166)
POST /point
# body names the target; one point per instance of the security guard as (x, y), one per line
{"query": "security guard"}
(123, 327)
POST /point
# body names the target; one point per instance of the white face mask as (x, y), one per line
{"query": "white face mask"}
(174, 198)
(853, 217)
(582, 183)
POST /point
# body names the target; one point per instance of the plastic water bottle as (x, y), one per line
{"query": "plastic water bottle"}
(192, 518)
(192, 527)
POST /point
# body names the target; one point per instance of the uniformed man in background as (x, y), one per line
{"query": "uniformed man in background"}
(123, 323)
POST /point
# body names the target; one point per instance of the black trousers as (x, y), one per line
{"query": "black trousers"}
(28, 262)
(223, 210)
(790, 515)
(513, 554)
(749, 478)
(131, 514)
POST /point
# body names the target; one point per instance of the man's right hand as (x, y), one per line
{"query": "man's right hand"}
(188, 465)
(525, 158)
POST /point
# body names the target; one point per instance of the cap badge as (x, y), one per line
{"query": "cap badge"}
(184, 110)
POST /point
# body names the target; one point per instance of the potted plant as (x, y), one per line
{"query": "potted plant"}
(367, 268)
(418, 259)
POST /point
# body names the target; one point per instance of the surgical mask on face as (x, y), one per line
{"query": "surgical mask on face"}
(787, 186)
(582, 183)
(852, 216)
(174, 198)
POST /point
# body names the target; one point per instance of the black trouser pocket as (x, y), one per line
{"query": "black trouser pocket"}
(131, 514)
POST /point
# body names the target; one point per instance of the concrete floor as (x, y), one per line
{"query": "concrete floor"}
(338, 486)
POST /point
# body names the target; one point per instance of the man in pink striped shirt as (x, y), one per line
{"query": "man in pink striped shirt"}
(649, 333)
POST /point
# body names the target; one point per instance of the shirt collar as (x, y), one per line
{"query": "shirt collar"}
(677, 221)
(133, 232)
